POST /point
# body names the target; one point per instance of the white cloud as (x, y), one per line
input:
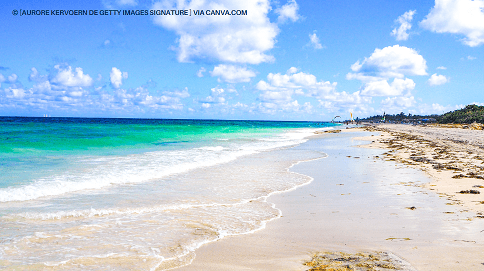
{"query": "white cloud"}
(464, 17)
(140, 99)
(405, 25)
(383, 88)
(68, 91)
(292, 70)
(17, 93)
(288, 12)
(286, 106)
(441, 68)
(35, 77)
(240, 105)
(232, 74)
(215, 99)
(314, 41)
(471, 58)
(66, 78)
(398, 103)
(181, 94)
(346, 102)
(436, 80)
(297, 81)
(43, 87)
(236, 39)
(384, 64)
(392, 61)
(117, 77)
(277, 94)
(12, 78)
(217, 91)
(201, 71)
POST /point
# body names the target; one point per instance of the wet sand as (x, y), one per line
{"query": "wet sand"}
(358, 202)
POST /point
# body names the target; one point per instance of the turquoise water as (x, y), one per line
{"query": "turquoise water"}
(32, 148)
(143, 192)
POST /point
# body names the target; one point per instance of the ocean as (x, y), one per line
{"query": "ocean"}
(144, 194)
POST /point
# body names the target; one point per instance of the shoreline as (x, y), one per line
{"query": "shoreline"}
(316, 217)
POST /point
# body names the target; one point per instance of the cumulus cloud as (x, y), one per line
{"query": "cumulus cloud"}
(215, 98)
(236, 39)
(217, 91)
(383, 88)
(346, 102)
(232, 74)
(140, 98)
(398, 103)
(463, 17)
(384, 64)
(296, 81)
(17, 93)
(314, 41)
(441, 68)
(70, 90)
(65, 77)
(436, 80)
(277, 93)
(392, 61)
(117, 77)
(405, 25)
(277, 96)
(12, 78)
(34, 75)
(288, 12)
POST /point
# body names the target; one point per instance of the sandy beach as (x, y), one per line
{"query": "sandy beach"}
(395, 196)
(452, 157)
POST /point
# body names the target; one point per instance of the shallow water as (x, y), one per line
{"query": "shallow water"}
(80, 204)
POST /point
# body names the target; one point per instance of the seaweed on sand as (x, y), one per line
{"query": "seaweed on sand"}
(340, 261)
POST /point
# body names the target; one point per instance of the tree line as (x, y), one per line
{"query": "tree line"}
(470, 114)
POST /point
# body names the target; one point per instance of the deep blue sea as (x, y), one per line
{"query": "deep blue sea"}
(98, 194)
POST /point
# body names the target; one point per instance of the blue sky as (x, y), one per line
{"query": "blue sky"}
(284, 60)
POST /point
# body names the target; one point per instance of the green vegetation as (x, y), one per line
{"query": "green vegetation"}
(470, 114)
(399, 118)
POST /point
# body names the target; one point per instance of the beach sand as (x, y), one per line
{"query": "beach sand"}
(359, 202)
(453, 158)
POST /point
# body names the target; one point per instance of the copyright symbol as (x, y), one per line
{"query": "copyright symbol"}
(15, 12)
